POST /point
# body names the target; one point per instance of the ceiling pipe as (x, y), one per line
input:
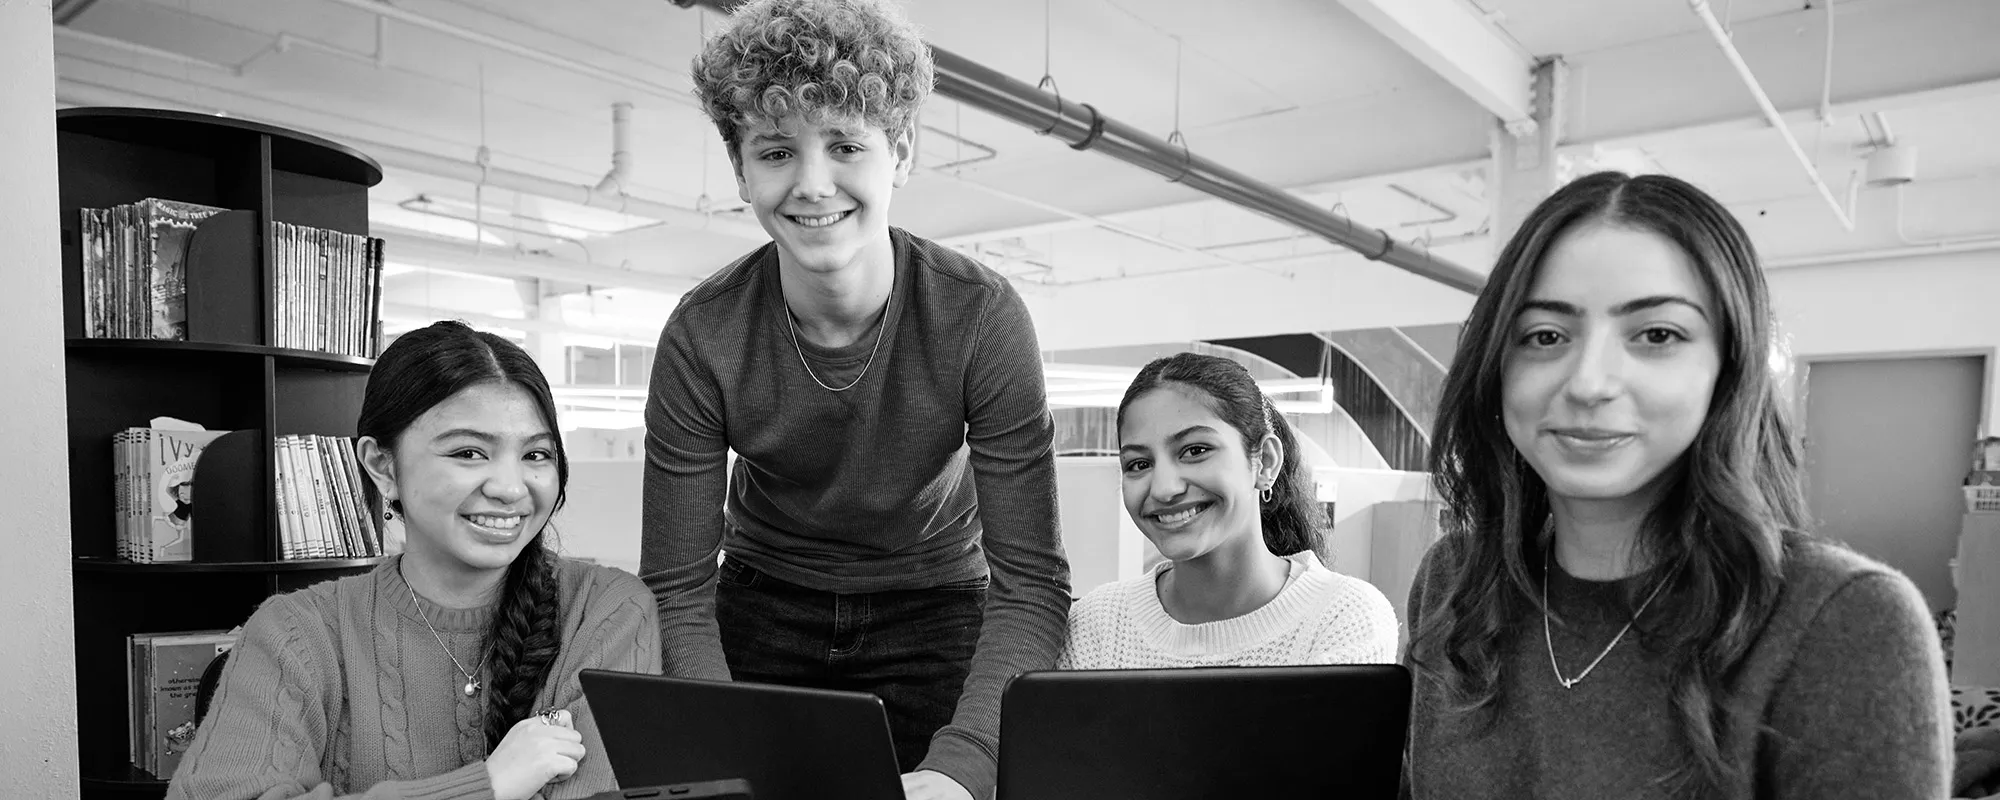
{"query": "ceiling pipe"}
(86, 94)
(383, 9)
(1082, 127)
(621, 152)
(168, 56)
(1980, 245)
(1771, 115)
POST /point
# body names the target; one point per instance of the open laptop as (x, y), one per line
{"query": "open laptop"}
(1296, 733)
(789, 743)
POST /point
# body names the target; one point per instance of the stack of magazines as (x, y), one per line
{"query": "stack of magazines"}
(326, 290)
(322, 512)
(135, 268)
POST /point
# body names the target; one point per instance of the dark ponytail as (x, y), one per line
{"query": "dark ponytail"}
(1291, 519)
(426, 367)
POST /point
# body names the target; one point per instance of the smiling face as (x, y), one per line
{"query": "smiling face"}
(1188, 482)
(475, 475)
(1611, 365)
(822, 190)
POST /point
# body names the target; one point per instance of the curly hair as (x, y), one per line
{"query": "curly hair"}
(817, 59)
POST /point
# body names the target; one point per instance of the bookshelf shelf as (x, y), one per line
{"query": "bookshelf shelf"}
(131, 779)
(191, 567)
(285, 357)
(245, 291)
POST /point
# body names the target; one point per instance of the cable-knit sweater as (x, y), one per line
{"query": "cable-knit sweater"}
(1320, 617)
(341, 690)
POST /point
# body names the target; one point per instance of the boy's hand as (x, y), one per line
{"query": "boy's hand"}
(929, 785)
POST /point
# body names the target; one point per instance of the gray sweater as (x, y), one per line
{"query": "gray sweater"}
(1843, 695)
(341, 690)
(936, 467)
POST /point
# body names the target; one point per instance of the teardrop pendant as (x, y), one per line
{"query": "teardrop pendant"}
(471, 687)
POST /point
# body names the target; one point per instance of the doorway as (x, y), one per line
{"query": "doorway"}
(1888, 443)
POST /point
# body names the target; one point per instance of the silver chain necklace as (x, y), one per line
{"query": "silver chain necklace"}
(472, 684)
(1550, 638)
(793, 325)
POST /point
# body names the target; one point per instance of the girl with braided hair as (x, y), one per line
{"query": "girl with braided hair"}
(450, 671)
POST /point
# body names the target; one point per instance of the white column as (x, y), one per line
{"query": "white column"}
(38, 748)
(549, 348)
(1524, 156)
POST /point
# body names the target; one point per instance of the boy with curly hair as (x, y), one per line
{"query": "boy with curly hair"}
(889, 524)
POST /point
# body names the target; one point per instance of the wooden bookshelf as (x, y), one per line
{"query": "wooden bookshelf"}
(227, 376)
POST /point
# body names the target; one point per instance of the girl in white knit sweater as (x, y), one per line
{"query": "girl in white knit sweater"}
(1212, 477)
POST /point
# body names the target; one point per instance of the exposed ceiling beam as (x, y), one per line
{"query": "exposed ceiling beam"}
(1462, 48)
(424, 162)
(66, 11)
(433, 251)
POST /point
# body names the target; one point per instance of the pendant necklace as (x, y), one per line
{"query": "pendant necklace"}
(472, 684)
(1550, 638)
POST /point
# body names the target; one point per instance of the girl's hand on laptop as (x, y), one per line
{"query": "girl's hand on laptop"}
(533, 753)
(929, 785)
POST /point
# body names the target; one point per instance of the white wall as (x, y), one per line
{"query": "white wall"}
(1939, 304)
(600, 517)
(38, 754)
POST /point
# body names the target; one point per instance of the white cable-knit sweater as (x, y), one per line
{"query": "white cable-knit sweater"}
(1320, 617)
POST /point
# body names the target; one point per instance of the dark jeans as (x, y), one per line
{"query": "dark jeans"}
(912, 648)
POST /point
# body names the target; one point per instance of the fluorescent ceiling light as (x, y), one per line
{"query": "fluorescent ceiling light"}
(404, 219)
(558, 217)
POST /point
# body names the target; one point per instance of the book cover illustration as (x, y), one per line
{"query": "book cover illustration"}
(168, 227)
(166, 679)
(158, 515)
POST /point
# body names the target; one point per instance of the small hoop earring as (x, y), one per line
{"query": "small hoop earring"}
(1265, 494)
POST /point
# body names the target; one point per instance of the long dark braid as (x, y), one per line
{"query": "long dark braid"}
(418, 371)
(527, 635)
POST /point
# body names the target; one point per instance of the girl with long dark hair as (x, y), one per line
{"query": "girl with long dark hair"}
(1626, 601)
(450, 671)
(1212, 475)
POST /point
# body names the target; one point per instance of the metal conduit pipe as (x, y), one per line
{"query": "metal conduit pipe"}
(1082, 127)
(1703, 12)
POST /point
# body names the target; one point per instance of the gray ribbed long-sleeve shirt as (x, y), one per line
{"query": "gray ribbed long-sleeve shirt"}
(936, 467)
(1842, 696)
(340, 690)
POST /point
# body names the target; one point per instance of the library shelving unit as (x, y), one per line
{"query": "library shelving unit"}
(226, 376)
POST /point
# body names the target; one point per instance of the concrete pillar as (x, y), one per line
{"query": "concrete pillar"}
(544, 304)
(38, 752)
(1524, 165)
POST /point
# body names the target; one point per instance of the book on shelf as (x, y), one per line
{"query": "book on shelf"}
(322, 510)
(326, 284)
(165, 672)
(153, 491)
(135, 268)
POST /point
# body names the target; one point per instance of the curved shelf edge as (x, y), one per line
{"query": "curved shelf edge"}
(285, 356)
(304, 153)
(301, 565)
